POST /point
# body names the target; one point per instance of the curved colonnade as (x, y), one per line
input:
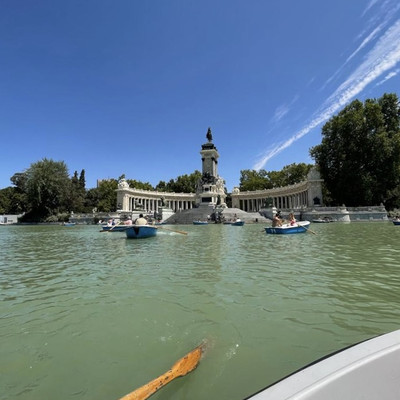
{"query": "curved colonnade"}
(131, 199)
(298, 196)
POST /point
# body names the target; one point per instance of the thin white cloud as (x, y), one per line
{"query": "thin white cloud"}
(370, 37)
(383, 57)
(388, 76)
(280, 112)
(387, 9)
(364, 43)
(369, 6)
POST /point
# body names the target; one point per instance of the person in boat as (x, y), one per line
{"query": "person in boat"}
(128, 222)
(141, 220)
(292, 219)
(277, 221)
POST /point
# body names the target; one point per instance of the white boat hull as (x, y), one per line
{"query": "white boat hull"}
(369, 371)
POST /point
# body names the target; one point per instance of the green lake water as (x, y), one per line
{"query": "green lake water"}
(90, 315)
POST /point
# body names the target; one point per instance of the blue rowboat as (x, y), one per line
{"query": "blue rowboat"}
(114, 228)
(140, 231)
(238, 223)
(396, 221)
(69, 224)
(298, 227)
(200, 222)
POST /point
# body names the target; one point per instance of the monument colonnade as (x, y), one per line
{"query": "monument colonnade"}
(290, 197)
(293, 197)
(131, 199)
(301, 195)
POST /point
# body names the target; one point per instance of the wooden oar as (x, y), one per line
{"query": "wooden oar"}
(183, 366)
(172, 230)
(308, 229)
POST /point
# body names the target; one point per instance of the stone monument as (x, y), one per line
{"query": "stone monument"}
(210, 187)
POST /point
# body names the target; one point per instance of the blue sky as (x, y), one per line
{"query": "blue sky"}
(130, 87)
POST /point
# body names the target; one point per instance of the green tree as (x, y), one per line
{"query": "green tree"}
(6, 196)
(46, 185)
(359, 156)
(254, 180)
(92, 200)
(161, 186)
(182, 184)
(13, 199)
(260, 180)
(77, 194)
(139, 185)
(187, 183)
(82, 181)
(293, 173)
(107, 195)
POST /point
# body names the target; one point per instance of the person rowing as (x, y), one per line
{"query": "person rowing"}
(277, 220)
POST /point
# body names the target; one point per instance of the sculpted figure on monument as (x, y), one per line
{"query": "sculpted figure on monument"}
(123, 184)
(209, 135)
(207, 178)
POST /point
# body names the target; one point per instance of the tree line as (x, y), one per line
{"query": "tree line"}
(358, 158)
(359, 155)
(46, 193)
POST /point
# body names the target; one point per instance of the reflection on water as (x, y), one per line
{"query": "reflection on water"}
(94, 315)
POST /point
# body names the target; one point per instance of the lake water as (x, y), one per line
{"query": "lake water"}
(90, 315)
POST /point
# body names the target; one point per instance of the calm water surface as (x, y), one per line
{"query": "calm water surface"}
(90, 315)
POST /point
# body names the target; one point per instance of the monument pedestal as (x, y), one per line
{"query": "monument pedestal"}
(165, 213)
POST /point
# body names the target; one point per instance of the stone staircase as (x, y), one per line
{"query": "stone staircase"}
(204, 213)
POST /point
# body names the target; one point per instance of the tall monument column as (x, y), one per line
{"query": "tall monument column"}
(210, 188)
(209, 157)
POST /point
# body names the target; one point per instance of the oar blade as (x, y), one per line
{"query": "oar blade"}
(181, 367)
(189, 362)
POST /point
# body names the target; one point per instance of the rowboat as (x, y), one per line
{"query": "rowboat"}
(238, 222)
(69, 224)
(114, 228)
(200, 222)
(368, 370)
(140, 231)
(396, 221)
(298, 227)
(325, 220)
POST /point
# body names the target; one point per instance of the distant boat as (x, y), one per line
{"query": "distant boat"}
(69, 223)
(368, 370)
(238, 222)
(324, 220)
(396, 221)
(298, 227)
(200, 222)
(140, 231)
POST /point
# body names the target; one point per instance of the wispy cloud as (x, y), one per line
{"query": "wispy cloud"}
(388, 76)
(383, 57)
(369, 6)
(282, 110)
(368, 39)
